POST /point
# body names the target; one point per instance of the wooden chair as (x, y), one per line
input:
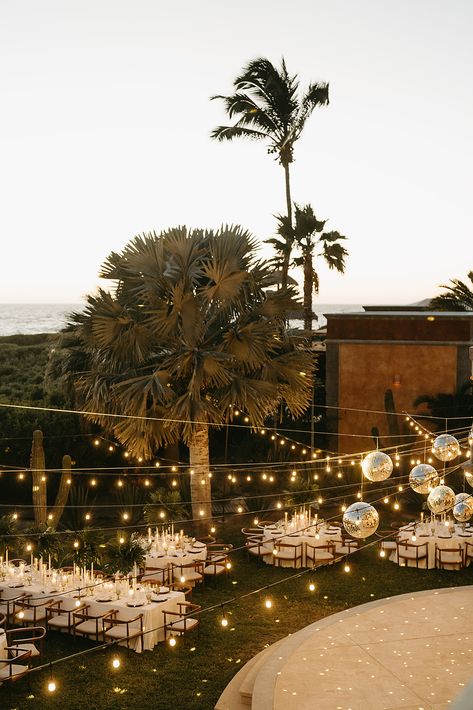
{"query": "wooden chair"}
(468, 556)
(12, 664)
(31, 612)
(409, 554)
(252, 532)
(115, 628)
(287, 552)
(262, 550)
(180, 622)
(7, 603)
(319, 552)
(60, 614)
(90, 625)
(348, 546)
(188, 573)
(26, 638)
(449, 557)
(215, 567)
(156, 575)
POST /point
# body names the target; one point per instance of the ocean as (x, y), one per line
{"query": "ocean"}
(27, 318)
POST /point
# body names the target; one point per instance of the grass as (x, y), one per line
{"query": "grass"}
(195, 673)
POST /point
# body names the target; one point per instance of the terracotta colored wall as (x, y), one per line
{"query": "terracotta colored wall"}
(366, 371)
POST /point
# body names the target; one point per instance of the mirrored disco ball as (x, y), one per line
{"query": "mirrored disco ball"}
(360, 520)
(446, 447)
(441, 499)
(423, 478)
(377, 466)
(463, 509)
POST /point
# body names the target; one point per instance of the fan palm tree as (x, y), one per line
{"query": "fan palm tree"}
(312, 242)
(267, 107)
(187, 331)
(458, 296)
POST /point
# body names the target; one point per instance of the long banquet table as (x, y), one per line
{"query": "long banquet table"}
(153, 617)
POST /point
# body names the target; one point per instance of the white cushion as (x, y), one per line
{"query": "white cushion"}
(61, 621)
(119, 631)
(88, 627)
(321, 555)
(27, 647)
(180, 627)
(410, 554)
(13, 670)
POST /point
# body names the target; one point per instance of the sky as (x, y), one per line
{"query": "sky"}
(105, 128)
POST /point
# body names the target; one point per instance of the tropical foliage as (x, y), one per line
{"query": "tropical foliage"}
(163, 506)
(312, 242)
(458, 296)
(268, 107)
(123, 554)
(188, 330)
(8, 531)
(444, 405)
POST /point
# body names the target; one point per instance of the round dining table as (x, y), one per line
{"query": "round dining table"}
(434, 535)
(314, 535)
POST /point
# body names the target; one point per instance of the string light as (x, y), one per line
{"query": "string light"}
(172, 640)
(268, 603)
(116, 663)
(311, 587)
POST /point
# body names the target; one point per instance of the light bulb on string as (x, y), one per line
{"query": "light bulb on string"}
(268, 603)
(116, 663)
(311, 587)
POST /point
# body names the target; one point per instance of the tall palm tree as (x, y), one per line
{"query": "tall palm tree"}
(268, 107)
(187, 332)
(458, 296)
(312, 242)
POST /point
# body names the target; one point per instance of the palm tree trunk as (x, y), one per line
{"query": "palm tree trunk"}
(287, 256)
(63, 492)
(308, 284)
(201, 494)
(37, 465)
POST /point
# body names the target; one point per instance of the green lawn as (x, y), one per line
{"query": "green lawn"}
(194, 674)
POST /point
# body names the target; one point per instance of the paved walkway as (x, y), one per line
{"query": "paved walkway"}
(413, 651)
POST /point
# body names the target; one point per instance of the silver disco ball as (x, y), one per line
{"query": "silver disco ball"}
(441, 499)
(360, 520)
(446, 447)
(423, 478)
(377, 466)
(463, 509)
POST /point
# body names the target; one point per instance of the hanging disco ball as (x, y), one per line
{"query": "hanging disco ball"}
(441, 499)
(360, 520)
(446, 447)
(463, 509)
(377, 466)
(423, 478)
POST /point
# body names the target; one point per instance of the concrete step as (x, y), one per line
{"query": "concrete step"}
(238, 693)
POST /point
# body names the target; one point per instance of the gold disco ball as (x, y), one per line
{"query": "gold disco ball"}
(441, 499)
(360, 520)
(463, 509)
(377, 466)
(423, 478)
(446, 447)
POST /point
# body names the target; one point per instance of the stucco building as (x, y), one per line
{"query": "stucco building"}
(410, 352)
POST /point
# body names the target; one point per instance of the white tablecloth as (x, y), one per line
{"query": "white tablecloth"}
(435, 535)
(321, 537)
(153, 617)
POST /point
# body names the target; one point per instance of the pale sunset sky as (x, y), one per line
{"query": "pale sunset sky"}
(105, 124)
